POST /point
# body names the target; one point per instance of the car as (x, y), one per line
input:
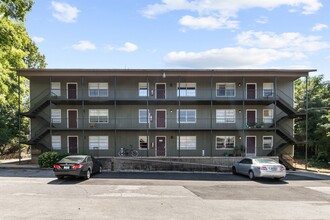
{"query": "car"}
(259, 167)
(77, 166)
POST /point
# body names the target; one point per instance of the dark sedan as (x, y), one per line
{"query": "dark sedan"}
(78, 166)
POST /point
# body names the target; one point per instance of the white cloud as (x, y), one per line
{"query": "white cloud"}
(65, 12)
(84, 45)
(262, 20)
(38, 39)
(225, 10)
(319, 27)
(128, 47)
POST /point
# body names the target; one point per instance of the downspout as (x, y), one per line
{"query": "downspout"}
(306, 146)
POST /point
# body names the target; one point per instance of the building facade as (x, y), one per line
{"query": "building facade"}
(163, 113)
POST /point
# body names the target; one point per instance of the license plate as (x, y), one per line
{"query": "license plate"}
(66, 167)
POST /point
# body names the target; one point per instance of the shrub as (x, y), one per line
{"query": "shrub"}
(322, 156)
(47, 159)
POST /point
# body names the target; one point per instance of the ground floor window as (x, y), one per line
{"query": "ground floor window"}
(186, 142)
(56, 142)
(98, 142)
(225, 142)
(267, 143)
(143, 142)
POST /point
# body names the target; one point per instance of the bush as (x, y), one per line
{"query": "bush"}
(47, 159)
(322, 156)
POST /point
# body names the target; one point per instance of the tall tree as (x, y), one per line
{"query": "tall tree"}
(318, 113)
(17, 51)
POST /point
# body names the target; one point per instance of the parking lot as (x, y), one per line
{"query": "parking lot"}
(37, 194)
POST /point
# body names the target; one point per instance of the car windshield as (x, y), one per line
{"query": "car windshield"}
(72, 159)
(265, 161)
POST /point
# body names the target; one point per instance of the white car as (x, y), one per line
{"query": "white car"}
(259, 167)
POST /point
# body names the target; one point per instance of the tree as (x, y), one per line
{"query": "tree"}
(17, 51)
(318, 114)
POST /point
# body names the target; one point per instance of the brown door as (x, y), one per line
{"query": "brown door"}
(73, 145)
(72, 119)
(161, 119)
(72, 91)
(251, 91)
(250, 118)
(160, 91)
(160, 145)
(250, 146)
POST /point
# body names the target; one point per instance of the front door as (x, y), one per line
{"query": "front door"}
(73, 145)
(72, 90)
(160, 118)
(251, 118)
(161, 146)
(72, 119)
(250, 146)
(251, 91)
(160, 90)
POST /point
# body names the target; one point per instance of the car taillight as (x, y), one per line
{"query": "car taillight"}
(77, 166)
(56, 166)
(282, 168)
(262, 168)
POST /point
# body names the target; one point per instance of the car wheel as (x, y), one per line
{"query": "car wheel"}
(251, 175)
(60, 177)
(88, 174)
(234, 170)
(134, 153)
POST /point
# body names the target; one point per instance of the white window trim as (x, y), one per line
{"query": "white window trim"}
(139, 143)
(148, 116)
(226, 122)
(178, 111)
(263, 143)
(140, 86)
(185, 85)
(98, 85)
(179, 144)
(263, 90)
(225, 137)
(57, 120)
(269, 118)
(98, 122)
(55, 91)
(59, 141)
(99, 142)
(216, 89)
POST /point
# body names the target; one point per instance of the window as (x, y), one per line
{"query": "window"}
(143, 116)
(186, 89)
(268, 116)
(143, 89)
(98, 115)
(98, 89)
(186, 116)
(225, 142)
(186, 142)
(268, 89)
(98, 142)
(267, 143)
(143, 142)
(225, 115)
(55, 89)
(56, 142)
(56, 115)
(225, 89)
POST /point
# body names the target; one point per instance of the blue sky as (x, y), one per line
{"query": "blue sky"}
(167, 34)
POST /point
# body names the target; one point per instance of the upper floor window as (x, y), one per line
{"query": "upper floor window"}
(267, 142)
(143, 142)
(98, 89)
(225, 142)
(55, 89)
(268, 89)
(98, 115)
(186, 142)
(143, 89)
(186, 89)
(225, 115)
(226, 89)
(56, 115)
(186, 116)
(98, 142)
(268, 116)
(143, 115)
(56, 142)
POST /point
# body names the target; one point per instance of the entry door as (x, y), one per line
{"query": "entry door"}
(161, 146)
(73, 144)
(251, 91)
(251, 146)
(161, 119)
(160, 90)
(72, 90)
(72, 119)
(251, 117)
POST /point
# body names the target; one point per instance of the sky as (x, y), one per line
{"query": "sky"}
(183, 34)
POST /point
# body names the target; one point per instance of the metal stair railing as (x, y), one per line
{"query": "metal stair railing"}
(288, 161)
(38, 103)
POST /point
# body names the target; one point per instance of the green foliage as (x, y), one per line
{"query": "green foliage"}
(47, 159)
(17, 51)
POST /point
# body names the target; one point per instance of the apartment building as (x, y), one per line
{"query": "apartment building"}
(163, 113)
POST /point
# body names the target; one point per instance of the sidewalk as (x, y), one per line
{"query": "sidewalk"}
(14, 164)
